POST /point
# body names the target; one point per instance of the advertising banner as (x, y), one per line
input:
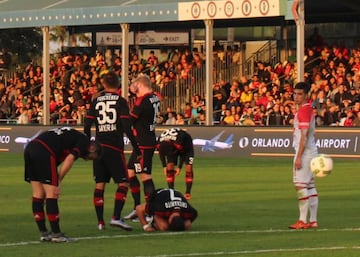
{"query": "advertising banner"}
(221, 141)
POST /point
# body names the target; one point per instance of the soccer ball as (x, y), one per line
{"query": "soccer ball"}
(321, 165)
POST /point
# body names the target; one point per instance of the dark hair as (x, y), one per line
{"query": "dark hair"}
(303, 86)
(177, 224)
(111, 79)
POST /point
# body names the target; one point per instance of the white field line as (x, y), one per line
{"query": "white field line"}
(167, 234)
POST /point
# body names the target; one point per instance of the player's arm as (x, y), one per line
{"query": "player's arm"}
(181, 160)
(141, 212)
(88, 121)
(66, 166)
(162, 157)
(304, 132)
(128, 131)
(126, 123)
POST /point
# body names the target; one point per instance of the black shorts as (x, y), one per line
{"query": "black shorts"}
(40, 164)
(189, 158)
(145, 163)
(172, 158)
(112, 164)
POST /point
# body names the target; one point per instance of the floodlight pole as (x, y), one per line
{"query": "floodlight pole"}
(125, 27)
(298, 10)
(46, 74)
(209, 71)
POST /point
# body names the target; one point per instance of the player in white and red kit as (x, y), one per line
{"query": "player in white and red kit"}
(305, 150)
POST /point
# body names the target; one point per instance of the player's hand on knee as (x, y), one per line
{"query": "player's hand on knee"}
(177, 171)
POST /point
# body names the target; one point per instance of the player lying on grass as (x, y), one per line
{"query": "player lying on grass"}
(170, 211)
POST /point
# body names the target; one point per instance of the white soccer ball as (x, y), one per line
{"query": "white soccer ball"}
(321, 165)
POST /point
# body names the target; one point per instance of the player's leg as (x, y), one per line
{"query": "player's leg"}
(34, 176)
(52, 208)
(170, 175)
(301, 180)
(98, 201)
(101, 177)
(146, 178)
(170, 170)
(313, 204)
(120, 197)
(115, 165)
(189, 174)
(313, 194)
(134, 184)
(53, 214)
(148, 184)
(38, 205)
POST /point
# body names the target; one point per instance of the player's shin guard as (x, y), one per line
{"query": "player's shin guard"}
(313, 204)
(52, 210)
(303, 198)
(170, 178)
(135, 190)
(189, 177)
(39, 213)
(99, 204)
(120, 197)
(149, 188)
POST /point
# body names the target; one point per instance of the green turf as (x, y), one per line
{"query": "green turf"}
(245, 206)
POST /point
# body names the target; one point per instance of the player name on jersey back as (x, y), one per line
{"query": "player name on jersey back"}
(107, 97)
(107, 127)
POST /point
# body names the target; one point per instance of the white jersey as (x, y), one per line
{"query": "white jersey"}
(304, 119)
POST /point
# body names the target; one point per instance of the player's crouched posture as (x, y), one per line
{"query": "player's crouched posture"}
(42, 156)
(170, 211)
(172, 144)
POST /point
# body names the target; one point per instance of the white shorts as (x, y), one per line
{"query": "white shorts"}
(304, 177)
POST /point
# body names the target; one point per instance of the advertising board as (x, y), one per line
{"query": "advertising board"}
(221, 141)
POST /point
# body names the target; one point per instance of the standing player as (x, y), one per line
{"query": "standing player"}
(174, 143)
(170, 211)
(42, 157)
(305, 150)
(110, 113)
(144, 116)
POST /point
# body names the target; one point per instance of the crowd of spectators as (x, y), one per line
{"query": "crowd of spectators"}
(264, 99)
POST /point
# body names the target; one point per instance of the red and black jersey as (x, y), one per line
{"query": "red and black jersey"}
(177, 137)
(144, 115)
(62, 141)
(110, 113)
(165, 201)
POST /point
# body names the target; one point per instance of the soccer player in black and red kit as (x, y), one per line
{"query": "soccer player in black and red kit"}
(110, 113)
(43, 155)
(170, 211)
(176, 143)
(144, 116)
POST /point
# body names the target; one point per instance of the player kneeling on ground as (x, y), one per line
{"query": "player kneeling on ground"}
(170, 211)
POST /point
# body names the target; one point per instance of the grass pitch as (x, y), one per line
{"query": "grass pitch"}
(245, 206)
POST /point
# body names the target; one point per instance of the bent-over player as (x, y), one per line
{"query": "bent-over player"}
(42, 157)
(176, 143)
